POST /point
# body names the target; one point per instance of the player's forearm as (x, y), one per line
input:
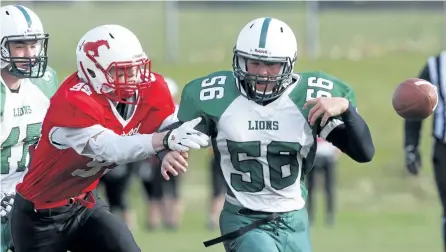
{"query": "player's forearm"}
(160, 154)
(412, 129)
(103, 144)
(111, 147)
(353, 137)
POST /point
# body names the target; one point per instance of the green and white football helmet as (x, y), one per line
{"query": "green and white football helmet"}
(271, 41)
(19, 24)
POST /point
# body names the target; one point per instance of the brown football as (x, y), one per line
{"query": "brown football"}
(415, 99)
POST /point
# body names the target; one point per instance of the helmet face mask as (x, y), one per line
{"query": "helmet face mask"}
(264, 58)
(23, 44)
(262, 87)
(110, 58)
(126, 79)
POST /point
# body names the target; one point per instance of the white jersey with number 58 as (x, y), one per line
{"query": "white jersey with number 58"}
(263, 150)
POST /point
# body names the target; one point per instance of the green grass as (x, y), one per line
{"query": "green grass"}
(381, 208)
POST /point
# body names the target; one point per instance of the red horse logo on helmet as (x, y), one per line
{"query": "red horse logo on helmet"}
(92, 48)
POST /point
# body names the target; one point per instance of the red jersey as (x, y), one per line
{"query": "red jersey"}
(51, 176)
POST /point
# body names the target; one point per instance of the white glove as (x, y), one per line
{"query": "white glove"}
(6, 202)
(186, 137)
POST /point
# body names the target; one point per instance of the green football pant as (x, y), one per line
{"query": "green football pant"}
(6, 239)
(290, 233)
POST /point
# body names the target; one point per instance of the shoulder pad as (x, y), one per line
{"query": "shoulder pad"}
(49, 83)
(209, 95)
(76, 104)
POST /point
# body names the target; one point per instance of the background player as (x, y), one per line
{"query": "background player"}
(264, 121)
(117, 181)
(164, 202)
(116, 184)
(433, 71)
(26, 84)
(103, 115)
(152, 181)
(324, 164)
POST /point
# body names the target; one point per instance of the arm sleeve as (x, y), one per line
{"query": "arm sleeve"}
(353, 137)
(99, 143)
(348, 131)
(339, 89)
(412, 128)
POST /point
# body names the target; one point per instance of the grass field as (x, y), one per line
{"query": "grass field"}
(381, 208)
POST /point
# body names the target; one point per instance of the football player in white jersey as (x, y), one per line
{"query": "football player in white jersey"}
(26, 85)
(264, 121)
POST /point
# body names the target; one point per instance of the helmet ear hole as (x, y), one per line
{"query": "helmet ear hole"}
(91, 73)
(111, 36)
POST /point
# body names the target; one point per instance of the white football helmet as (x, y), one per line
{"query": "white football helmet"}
(113, 46)
(19, 24)
(271, 41)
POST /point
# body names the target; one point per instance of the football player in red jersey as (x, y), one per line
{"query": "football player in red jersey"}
(113, 110)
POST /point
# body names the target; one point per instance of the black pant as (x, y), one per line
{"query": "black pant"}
(439, 162)
(72, 227)
(116, 183)
(155, 185)
(324, 165)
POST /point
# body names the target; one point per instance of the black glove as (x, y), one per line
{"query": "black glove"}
(413, 159)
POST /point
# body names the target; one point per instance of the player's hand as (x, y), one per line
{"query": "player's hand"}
(325, 107)
(186, 137)
(413, 159)
(6, 202)
(175, 162)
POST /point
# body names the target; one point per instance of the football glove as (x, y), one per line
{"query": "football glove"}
(413, 159)
(186, 137)
(6, 202)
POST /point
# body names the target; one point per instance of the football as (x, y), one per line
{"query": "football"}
(415, 99)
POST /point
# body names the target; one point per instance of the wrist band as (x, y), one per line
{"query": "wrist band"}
(166, 140)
